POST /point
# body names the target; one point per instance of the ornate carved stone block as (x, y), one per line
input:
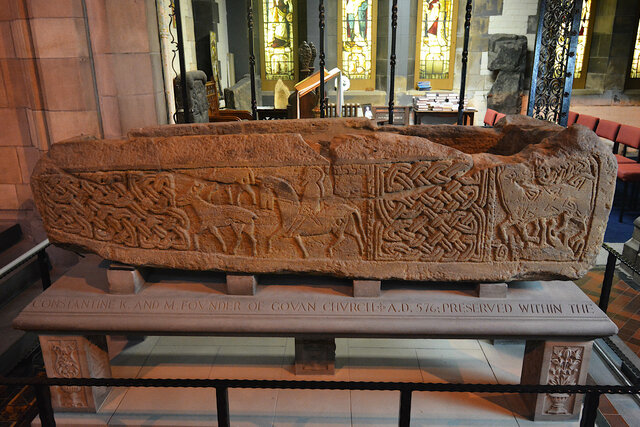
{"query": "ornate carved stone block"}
(526, 200)
(76, 357)
(556, 363)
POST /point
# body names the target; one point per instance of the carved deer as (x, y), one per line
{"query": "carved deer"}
(212, 217)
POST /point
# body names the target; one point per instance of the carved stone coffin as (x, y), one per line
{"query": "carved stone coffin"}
(524, 200)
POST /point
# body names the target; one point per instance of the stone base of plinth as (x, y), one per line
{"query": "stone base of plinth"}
(241, 284)
(125, 279)
(315, 356)
(556, 363)
(76, 357)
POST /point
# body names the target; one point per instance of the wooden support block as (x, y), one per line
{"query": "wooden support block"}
(76, 357)
(366, 288)
(557, 363)
(492, 290)
(315, 356)
(125, 279)
(241, 284)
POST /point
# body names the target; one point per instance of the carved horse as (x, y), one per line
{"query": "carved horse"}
(297, 220)
(212, 217)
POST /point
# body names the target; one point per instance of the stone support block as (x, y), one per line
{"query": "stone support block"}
(241, 284)
(366, 288)
(492, 290)
(555, 363)
(125, 279)
(315, 356)
(76, 357)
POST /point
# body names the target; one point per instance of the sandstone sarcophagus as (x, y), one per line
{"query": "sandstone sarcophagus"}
(526, 199)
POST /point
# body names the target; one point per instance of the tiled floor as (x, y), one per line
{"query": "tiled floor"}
(356, 360)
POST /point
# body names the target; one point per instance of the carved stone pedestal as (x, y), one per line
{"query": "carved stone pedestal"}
(76, 357)
(315, 356)
(556, 363)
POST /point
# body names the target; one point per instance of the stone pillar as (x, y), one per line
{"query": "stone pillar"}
(555, 363)
(76, 357)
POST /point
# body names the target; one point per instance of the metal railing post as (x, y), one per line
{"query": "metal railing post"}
(186, 102)
(43, 264)
(404, 419)
(465, 57)
(607, 283)
(322, 62)
(45, 410)
(252, 61)
(589, 410)
(222, 406)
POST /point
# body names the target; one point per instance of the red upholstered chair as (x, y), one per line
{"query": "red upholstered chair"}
(588, 121)
(573, 116)
(498, 117)
(628, 136)
(490, 117)
(607, 131)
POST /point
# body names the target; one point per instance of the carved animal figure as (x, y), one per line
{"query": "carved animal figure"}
(212, 217)
(242, 177)
(538, 215)
(332, 217)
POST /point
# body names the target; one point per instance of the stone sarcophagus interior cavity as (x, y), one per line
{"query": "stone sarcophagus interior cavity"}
(526, 199)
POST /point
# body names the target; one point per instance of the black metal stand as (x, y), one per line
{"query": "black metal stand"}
(321, 26)
(45, 410)
(252, 62)
(186, 102)
(392, 59)
(465, 57)
(43, 264)
(222, 406)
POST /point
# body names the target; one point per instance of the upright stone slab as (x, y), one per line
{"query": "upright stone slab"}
(525, 200)
(68, 356)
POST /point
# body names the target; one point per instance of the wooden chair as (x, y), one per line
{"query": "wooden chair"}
(628, 136)
(222, 115)
(490, 117)
(589, 121)
(573, 116)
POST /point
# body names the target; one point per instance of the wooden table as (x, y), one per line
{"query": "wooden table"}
(431, 117)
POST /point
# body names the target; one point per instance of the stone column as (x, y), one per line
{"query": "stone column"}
(555, 363)
(76, 357)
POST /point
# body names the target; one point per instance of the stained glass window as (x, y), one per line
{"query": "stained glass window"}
(278, 41)
(584, 41)
(436, 42)
(356, 41)
(635, 60)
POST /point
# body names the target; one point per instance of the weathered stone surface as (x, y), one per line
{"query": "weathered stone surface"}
(196, 91)
(526, 199)
(507, 52)
(505, 95)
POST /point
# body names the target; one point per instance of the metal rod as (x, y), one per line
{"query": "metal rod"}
(45, 410)
(590, 410)
(465, 57)
(404, 418)
(252, 61)
(222, 406)
(321, 26)
(43, 264)
(392, 59)
(23, 258)
(186, 102)
(607, 282)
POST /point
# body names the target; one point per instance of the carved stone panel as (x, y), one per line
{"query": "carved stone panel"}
(528, 200)
(555, 363)
(76, 357)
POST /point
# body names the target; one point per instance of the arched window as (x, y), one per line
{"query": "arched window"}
(633, 78)
(357, 42)
(584, 44)
(436, 42)
(278, 42)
